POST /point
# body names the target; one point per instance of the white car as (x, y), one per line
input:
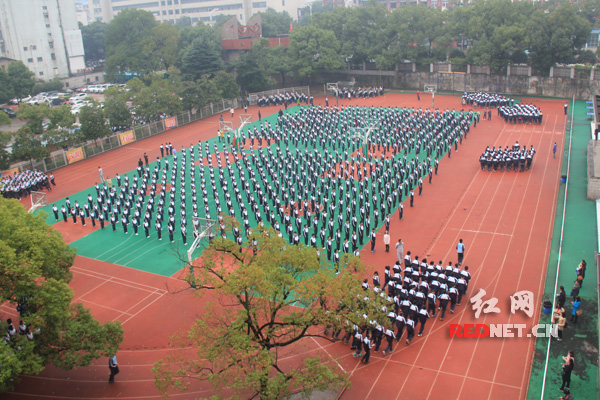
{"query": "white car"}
(21, 100)
(78, 96)
(37, 100)
(75, 109)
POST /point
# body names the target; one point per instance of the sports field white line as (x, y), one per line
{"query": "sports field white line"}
(522, 268)
(121, 281)
(498, 272)
(103, 306)
(91, 290)
(478, 276)
(476, 231)
(143, 308)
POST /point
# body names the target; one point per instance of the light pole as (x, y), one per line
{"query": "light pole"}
(211, 14)
(309, 4)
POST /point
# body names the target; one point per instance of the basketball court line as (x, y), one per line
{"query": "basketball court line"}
(142, 309)
(121, 281)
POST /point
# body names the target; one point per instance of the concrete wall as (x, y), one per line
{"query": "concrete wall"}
(593, 157)
(521, 85)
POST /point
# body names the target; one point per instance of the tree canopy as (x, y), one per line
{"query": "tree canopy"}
(266, 302)
(35, 264)
(127, 48)
(94, 40)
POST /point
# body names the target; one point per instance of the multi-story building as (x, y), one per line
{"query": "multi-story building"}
(43, 34)
(196, 10)
(100, 10)
(82, 12)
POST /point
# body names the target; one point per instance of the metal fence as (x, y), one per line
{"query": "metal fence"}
(58, 158)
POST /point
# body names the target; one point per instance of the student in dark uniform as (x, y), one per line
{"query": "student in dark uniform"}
(423, 316)
(373, 238)
(55, 211)
(158, 227)
(410, 329)
(63, 210)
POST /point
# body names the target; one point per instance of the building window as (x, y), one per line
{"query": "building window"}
(259, 4)
(53, 56)
(40, 59)
(34, 47)
(283, 3)
(49, 34)
(51, 45)
(164, 12)
(25, 48)
(41, 73)
(47, 25)
(170, 12)
(30, 60)
(44, 8)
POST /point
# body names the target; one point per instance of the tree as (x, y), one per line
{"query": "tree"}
(54, 84)
(93, 123)
(226, 85)
(312, 49)
(115, 107)
(60, 130)
(126, 37)
(34, 115)
(252, 71)
(275, 23)
(4, 119)
(162, 45)
(183, 22)
(21, 79)
(587, 57)
(27, 146)
(5, 156)
(202, 57)
(6, 90)
(94, 40)
(268, 302)
(157, 99)
(35, 263)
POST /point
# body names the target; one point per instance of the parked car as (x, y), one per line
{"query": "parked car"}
(8, 111)
(17, 100)
(37, 100)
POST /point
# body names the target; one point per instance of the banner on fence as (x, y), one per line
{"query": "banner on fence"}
(75, 155)
(126, 137)
(170, 123)
(12, 171)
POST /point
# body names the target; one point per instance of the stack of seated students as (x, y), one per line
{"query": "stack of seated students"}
(517, 158)
(483, 99)
(521, 113)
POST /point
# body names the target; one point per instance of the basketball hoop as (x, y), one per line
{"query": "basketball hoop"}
(38, 200)
(431, 89)
(202, 228)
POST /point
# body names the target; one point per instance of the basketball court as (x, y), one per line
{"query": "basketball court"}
(504, 218)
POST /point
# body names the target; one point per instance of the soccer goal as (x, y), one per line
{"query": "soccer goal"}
(38, 199)
(203, 228)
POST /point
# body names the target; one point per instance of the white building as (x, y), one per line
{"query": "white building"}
(197, 10)
(43, 34)
(100, 10)
(82, 12)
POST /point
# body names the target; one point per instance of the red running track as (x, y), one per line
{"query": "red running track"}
(505, 219)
